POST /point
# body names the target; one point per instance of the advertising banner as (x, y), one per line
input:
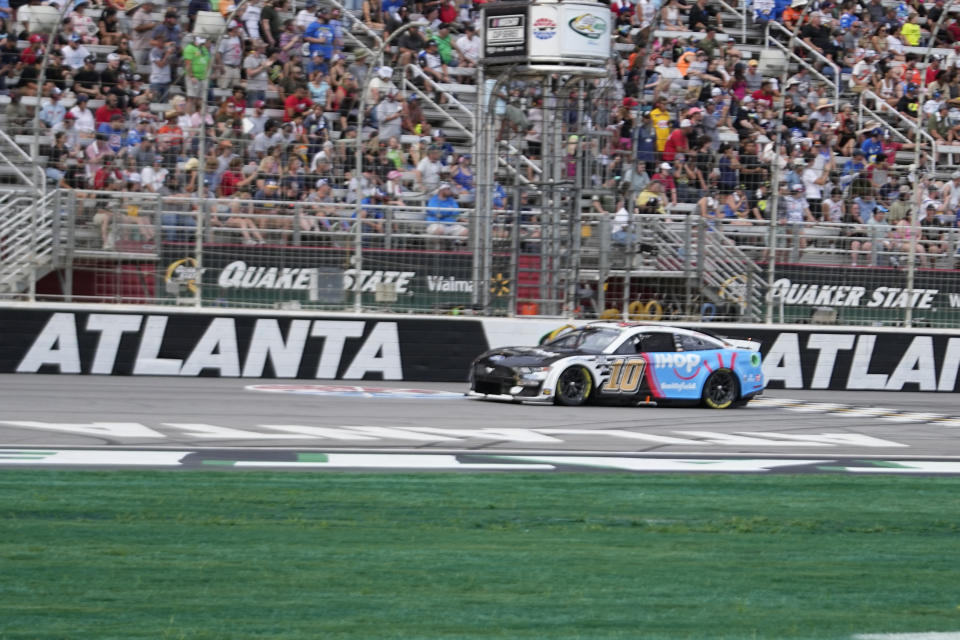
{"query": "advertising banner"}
(237, 345)
(585, 29)
(505, 30)
(318, 276)
(863, 294)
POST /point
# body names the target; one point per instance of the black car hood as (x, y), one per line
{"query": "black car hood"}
(526, 356)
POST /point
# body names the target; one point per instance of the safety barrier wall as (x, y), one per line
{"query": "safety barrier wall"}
(143, 340)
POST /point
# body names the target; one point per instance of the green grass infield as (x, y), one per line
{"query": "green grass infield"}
(368, 556)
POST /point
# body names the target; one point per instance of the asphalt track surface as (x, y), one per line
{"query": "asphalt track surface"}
(217, 418)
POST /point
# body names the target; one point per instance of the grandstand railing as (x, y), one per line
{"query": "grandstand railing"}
(21, 159)
(885, 115)
(771, 39)
(415, 72)
(28, 226)
(137, 248)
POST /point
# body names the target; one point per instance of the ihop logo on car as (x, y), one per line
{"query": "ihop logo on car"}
(687, 362)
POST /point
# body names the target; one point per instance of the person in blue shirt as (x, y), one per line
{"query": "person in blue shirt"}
(114, 130)
(320, 37)
(443, 214)
(371, 212)
(872, 145)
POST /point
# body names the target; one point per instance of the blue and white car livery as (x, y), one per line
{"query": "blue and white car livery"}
(624, 362)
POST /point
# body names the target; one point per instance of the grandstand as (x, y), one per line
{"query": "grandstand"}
(272, 154)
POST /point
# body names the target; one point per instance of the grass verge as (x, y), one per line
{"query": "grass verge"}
(296, 555)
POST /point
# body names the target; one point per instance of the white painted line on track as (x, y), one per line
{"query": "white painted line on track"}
(919, 466)
(392, 461)
(913, 417)
(111, 457)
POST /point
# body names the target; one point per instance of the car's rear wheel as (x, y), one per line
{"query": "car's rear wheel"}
(721, 389)
(574, 386)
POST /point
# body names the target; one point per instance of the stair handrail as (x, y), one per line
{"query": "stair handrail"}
(834, 84)
(23, 155)
(411, 86)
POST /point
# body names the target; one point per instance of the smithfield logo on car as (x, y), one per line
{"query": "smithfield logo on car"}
(689, 362)
(589, 26)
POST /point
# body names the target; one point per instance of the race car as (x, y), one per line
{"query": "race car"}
(623, 363)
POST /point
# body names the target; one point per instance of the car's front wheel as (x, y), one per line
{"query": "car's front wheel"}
(721, 389)
(574, 386)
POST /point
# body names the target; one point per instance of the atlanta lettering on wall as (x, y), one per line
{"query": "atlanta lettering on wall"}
(311, 347)
(895, 361)
(183, 344)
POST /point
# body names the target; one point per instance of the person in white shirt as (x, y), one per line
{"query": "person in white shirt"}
(251, 19)
(306, 16)
(74, 53)
(389, 114)
(85, 123)
(229, 56)
(469, 46)
(153, 177)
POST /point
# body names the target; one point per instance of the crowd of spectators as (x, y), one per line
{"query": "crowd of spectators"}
(282, 121)
(690, 118)
(704, 125)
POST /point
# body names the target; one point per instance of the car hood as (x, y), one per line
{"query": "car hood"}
(525, 356)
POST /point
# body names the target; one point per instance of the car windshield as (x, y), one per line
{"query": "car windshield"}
(590, 339)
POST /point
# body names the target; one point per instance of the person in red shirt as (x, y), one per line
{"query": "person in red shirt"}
(106, 174)
(107, 110)
(765, 95)
(34, 50)
(677, 141)
(932, 70)
(298, 103)
(171, 133)
(232, 179)
(665, 177)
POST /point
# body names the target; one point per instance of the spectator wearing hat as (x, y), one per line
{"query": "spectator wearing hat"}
(468, 44)
(753, 77)
(305, 16)
(84, 121)
(112, 73)
(432, 64)
(443, 216)
(162, 59)
(114, 130)
(795, 213)
(256, 65)
(142, 25)
(320, 37)
(167, 32)
(53, 111)
(410, 44)
(380, 84)
(229, 57)
(414, 121)
(665, 177)
(447, 49)
(389, 116)
(33, 53)
(677, 141)
(86, 80)
(196, 67)
(427, 173)
(74, 53)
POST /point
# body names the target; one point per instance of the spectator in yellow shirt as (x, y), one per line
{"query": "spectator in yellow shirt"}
(660, 118)
(910, 31)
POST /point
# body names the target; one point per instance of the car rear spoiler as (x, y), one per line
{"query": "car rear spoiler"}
(750, 345)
